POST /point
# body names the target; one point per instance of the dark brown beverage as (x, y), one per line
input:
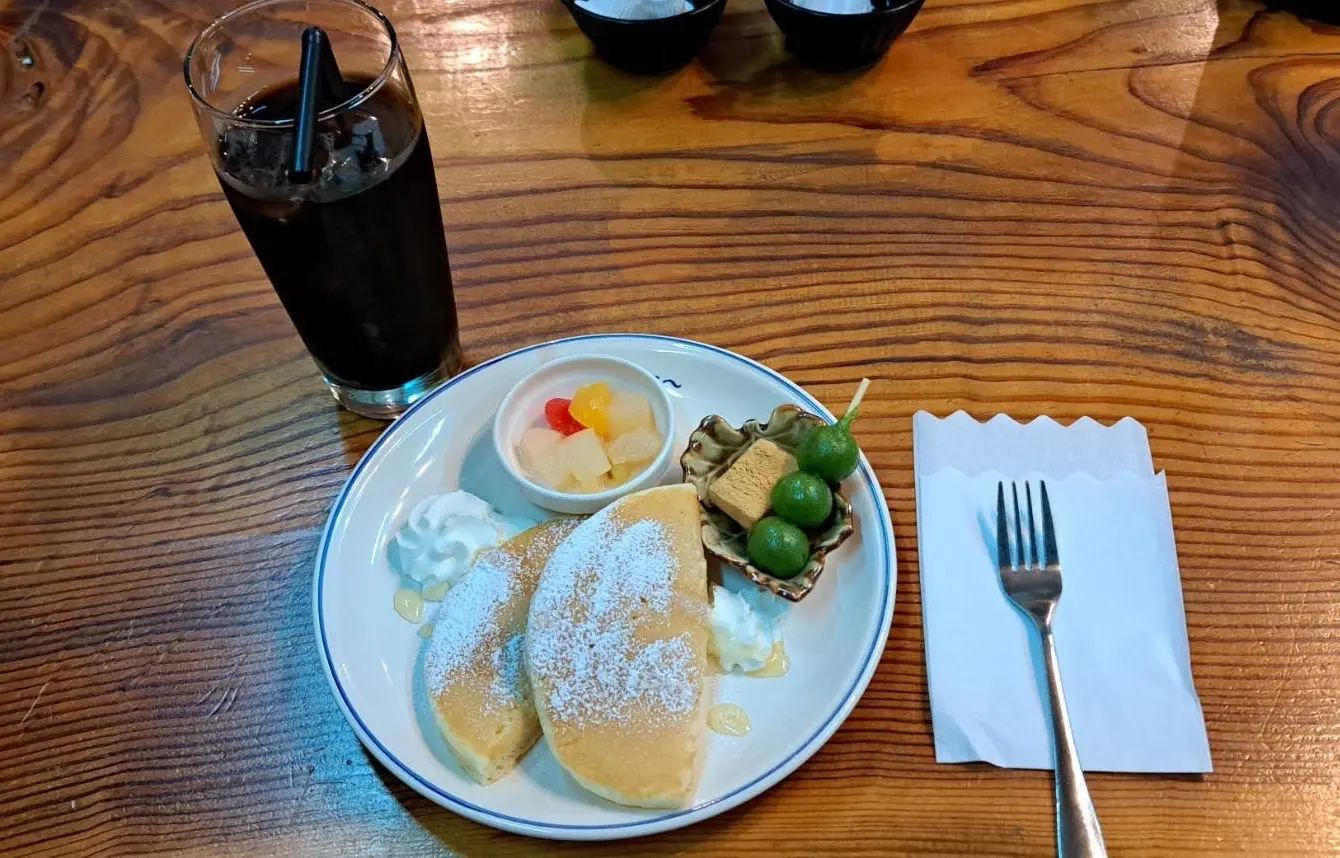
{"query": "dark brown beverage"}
(358, 256)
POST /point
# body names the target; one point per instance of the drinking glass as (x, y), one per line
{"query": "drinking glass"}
(356, 252)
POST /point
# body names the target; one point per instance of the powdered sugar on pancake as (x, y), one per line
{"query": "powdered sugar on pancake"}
(594, 669)
(509, 679)
(469, 625)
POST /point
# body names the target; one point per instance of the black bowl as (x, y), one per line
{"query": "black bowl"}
(647, 47)
(833, 41)
(1319, 10)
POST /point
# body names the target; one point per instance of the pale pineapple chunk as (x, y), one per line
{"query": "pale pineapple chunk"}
(582, 455)
(536, 454)
(593, 485)
(628, 411)
(574, 486)
(641, 443)
(536, 443)
(625, 471)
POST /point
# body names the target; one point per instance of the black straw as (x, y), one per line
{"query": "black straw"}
(320, 85)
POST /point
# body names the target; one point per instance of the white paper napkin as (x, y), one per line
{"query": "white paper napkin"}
(1120, 626)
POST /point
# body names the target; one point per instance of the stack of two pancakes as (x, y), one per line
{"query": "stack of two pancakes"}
(592, 633)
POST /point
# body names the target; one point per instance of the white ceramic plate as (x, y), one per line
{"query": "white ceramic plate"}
(835, 637)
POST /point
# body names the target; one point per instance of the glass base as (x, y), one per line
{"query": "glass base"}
(390, 404)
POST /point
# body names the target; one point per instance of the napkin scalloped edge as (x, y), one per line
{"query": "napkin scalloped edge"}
(1084, 423)
(975, 446)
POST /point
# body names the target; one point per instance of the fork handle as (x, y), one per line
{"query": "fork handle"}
(1078, 834)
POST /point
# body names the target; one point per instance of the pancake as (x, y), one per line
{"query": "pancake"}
(616, 649)
(477, 686)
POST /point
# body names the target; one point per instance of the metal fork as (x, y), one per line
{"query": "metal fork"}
(1035, 587)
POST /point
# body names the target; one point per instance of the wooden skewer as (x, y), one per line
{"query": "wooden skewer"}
(860, 394)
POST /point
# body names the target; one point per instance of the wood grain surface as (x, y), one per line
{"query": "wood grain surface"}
(1102, 207)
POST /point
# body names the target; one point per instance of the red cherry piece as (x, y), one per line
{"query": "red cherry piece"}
(559, 418)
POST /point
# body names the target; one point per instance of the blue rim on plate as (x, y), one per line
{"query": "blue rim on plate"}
(640, 827)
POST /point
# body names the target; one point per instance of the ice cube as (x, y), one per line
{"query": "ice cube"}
(367, 139)
(253, 159)
(343, 173)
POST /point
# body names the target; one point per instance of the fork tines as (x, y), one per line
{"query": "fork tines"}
(1031, 560)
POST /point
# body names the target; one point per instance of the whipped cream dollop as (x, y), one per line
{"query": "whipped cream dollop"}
(744, 628)
(442, 536)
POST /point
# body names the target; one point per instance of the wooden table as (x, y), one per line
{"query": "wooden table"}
(1033, 206)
